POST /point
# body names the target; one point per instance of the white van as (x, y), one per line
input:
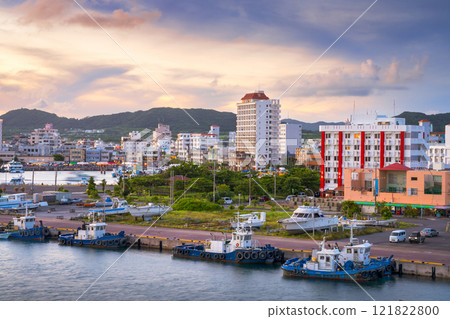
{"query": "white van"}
(397, 236)
(227, 200)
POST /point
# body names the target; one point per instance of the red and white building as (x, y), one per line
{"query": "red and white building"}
(371, 141)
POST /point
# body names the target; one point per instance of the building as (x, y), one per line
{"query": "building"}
(257, 132)
(308, 157)
(77, 155)
(183, 146)
(398, 186)
(133, 145)
(439, 151)
(371, 141)
(45, 136)
(290, 139)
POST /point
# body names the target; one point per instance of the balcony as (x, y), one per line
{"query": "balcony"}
(393, 190)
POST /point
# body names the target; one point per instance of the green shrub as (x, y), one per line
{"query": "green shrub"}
(241, 207)
(192, 204)
(231, 207)
(221, 201)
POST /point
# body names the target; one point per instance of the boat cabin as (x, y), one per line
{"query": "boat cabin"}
(240, 239)
(357, 253)
(307, 212)
(24, 222)
(91, 231)
(326, 259)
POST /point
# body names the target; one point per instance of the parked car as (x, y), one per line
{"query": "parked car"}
(415, 237)
(227, 200)
(264, 198)
(429, 232)
(301, 195)
(397, 236)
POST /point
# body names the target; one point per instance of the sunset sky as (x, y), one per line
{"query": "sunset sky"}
(208, 54)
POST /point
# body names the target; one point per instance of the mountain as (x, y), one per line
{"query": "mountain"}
(115, 125)
(310, 126)
(438, 120)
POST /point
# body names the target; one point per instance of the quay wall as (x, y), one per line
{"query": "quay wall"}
(404, 267)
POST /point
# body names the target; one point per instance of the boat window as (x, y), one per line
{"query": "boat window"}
(349, 251)
(328, 259)
(367, 250)
(316, 215)
(361, 251)
(321, 257)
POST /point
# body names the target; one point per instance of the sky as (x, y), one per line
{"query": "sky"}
(209, 54)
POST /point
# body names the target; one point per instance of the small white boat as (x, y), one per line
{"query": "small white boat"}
(18, 180)
(307, 218)
(14, 201)
(249, 220)
(117, 207)
(149, 210)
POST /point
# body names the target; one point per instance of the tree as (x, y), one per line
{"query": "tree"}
(91, 188)
(103, 185)
(58, 158)
(350, 208)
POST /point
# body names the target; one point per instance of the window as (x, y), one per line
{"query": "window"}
(354, 176)
(356, 158)
(322, 257)
(388, 147)
(433, 184)
(357, 135)
(397, 135)
(377, 135)
(414, 178)
(347, 135)
(328, 259)
(367, 159)
(367, 147)
(377, 147)
(356, 147)
(412, 191)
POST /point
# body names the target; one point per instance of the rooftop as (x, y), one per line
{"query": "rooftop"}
(260, 95)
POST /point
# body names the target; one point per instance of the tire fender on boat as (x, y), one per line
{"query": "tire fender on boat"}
(202, 254)
(26, 233)
(208, 255)
(122, 242)
(262, 255)
(388, 268)
(37, 232)
(46, 231)
(270, 255)
(31, 232)
(21, 233)
(222, 256)
(62, 241)
(80, 243)
(296, 271)
(247, 255)
(98, 242)
(302, 272)
(239, 255)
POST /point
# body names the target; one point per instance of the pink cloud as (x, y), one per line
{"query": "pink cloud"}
(118, 19)
(42, 11)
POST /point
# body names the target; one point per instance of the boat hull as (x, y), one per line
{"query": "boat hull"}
(378, 268)
(36, 233)
(259, 255)
(149, 211)
(112, 241)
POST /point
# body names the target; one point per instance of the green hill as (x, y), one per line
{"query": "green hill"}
(438, 120)
(116, 125)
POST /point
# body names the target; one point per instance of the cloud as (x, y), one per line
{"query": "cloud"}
(42, 12)
(369, 69)
(46, 13)
(403, 72)
(118, 19)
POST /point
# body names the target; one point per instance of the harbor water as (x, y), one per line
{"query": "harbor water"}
(47, 271)
(62, 177)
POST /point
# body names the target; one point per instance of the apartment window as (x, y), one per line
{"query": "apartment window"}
(397, 135)
(356, 147)
(367, 159)
(377, 147)
(356, 158)
(327, 158)
(357, 135)
(388, 147)
(336, 158)
(367, 147)
(412, 191)
(397, 147)
(414, 178)
(355, 176)
(335, 181)
(388, 159)
(368, 136)
(347, 135)
(328, 135)
(377, 135)
(347, 148)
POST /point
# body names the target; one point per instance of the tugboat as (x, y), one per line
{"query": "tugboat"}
(24, 228)
(352, 262)
(94, 235)
(240, 249)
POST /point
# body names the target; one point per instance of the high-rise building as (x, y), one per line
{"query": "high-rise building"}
(371, 141)
(257, 132)
(439, 151)
(45, 136)
(290, 139)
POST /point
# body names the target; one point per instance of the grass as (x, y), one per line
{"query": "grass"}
(405, 225)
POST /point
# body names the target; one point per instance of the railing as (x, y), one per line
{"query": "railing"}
(393, 190)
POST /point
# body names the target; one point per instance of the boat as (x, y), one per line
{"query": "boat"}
(25, 228)
(149, 210)
(240, 249)
(108, 202)
(307, 218)
(94, 235)
(15, 200)
(352, 262)
(13, 167)
(78, 178)
(360, 223)
(117, 207)
(249, 220)
(18, 180)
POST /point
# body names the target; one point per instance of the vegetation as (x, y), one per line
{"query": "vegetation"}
(349, 209)
(192, 204)
(58, 158)
(92, 189)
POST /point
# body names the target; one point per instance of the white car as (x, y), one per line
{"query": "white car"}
(227, 200)
(397, 236)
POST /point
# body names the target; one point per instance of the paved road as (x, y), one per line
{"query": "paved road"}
(435, 249)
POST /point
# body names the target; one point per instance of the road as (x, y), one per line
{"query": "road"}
(435, 249)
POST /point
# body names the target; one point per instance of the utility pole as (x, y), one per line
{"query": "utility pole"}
(32, 182)
(214, 176)
(249, 188)
(274, 186)
(56, 176)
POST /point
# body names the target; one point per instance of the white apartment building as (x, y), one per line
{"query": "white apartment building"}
(257, 131)
(439, 152)
(134, 146)
(183, 146)
(371, 141)
(290, 139)
(45, 136)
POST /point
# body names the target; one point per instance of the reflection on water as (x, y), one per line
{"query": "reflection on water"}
(47, 271)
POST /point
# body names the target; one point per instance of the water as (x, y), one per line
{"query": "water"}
(47, 271)
(63, 177)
